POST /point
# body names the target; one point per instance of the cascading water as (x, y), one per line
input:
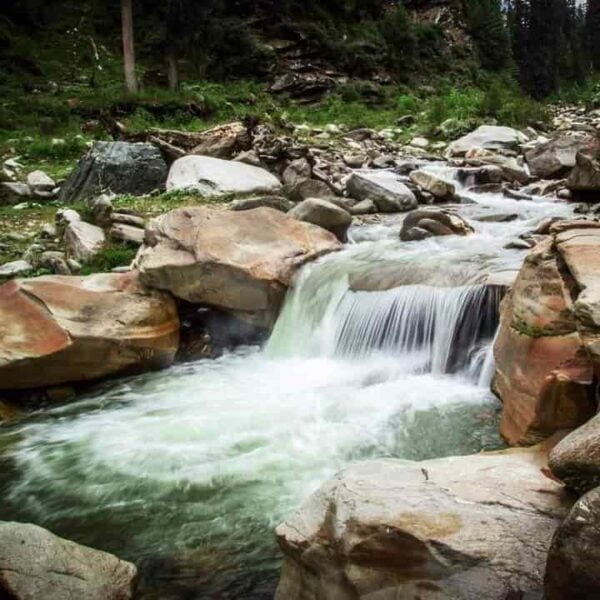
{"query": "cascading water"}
(381, 350)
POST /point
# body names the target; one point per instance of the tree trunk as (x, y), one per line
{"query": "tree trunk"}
(131, 84)
(172, 72)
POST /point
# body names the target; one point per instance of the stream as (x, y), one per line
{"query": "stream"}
(381, 350)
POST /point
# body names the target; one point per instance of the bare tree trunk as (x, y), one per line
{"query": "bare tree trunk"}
(172, 72)
(131, 84)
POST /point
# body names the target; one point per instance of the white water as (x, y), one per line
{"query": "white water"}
(209, 456)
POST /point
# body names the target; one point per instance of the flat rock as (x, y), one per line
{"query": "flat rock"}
(127, 233)
(58, 329)
(36, 564)
(215, 177)
(241, 262)
(447, 529)
(324, 214)
(15, 268)
(487, 137)
(275, 202)
(434, 184)
(38, 181)
(83, 240)
(13, 193)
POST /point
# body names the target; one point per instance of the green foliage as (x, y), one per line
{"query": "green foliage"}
(116, 255)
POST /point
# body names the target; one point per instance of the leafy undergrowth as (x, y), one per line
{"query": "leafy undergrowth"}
(114, 255)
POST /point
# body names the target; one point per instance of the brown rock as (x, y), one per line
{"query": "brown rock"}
(224, 141)
(59, 329)
(241, 261)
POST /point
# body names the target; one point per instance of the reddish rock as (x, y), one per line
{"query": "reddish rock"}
(59, 329)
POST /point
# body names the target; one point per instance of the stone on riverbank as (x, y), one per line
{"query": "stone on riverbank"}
(239, 261)
(324, 214)
(36, 564)
(445, 529)
(488, 137)
(58, 329)
(383, 188)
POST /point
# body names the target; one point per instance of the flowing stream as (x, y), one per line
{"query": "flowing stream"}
(381, 350)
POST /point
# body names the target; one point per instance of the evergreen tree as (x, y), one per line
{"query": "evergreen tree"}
(593, 32)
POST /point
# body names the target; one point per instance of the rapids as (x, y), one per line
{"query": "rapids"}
(382, 349)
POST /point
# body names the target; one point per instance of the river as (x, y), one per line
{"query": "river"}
(187, 471)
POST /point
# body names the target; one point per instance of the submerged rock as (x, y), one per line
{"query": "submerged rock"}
(36, 564)
(237, 261)
(215, 177)
(58, 329)
(447, 529)
(117, 167)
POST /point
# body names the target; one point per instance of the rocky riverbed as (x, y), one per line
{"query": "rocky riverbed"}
(376, 272)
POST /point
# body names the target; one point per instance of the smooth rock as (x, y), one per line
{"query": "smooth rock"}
(128, 219)
(298, 170)
(237, 261)
(487, 137)
(58, 329)
(555, 158)
(434, 184)
(15, 268)
(36, 564)
(573, 567)
(309, 188)
(428, 222)
(383, 188)
(127, 233)
(117, 167)
(463, 528)
(13, 193)
(38, 181)
(275, 202)
(215, 177)
(584, 180)
(324, 214)
(102, 209)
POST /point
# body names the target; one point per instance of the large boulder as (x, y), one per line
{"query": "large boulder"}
(36, 564)
(241, 262)
(59, 329)
(383, 188)
(325, 214)
(584, 180)
(223, 141)
(555, 158)
(573, 567)
(446, 529)
(576, 458)
(430, 222)
(117, 167)
(546, 353)
(435, 184)
(215, 177)
(488, 137)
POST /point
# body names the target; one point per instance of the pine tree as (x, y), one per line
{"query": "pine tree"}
(593, 32)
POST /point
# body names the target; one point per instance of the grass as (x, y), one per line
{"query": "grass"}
(114, 255)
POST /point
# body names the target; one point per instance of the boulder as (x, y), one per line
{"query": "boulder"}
(584, 180)
(102, 209)
(215, 177)
(434, 184)
(488, 137)
(573, 567)
(459, 528)
(275, 202)
(35, 564)
(224, 141)
(241, 262)
(383, 188)
(429, 222)
(324, 214)
(128, 219)
(127, 233)
(298, 170)
(512, 169)
(555, 158)
(117, 167)
(309, 188)
(13, 193)
(38, 181)
(576, 458)
(58, 329)
(83, 241)
(544, 369)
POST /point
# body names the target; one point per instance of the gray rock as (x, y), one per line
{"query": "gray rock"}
(127, 233)
(117, 167)
(585, 177)
(276, 202)
(462, 528)
(498, 218)
(383, 188)
(128, 219)
(298, 170)
(102, 209)
(16, 268)
(488, 137)
(38, 181)
(36, 564)
(215, 177)
(13, 193)
(383, 162)
(48, 231)
(573, 567)
(576, 459)
(74, 266)
(83, 241)
(55, 262)
(249, 157)
(428, 222)
(64, 217)
(433, 183)
(364, 207)
(555, 158)
(309, 188)
(324, 214)
(354, 161)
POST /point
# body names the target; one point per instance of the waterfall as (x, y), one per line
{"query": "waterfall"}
(430, 328)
